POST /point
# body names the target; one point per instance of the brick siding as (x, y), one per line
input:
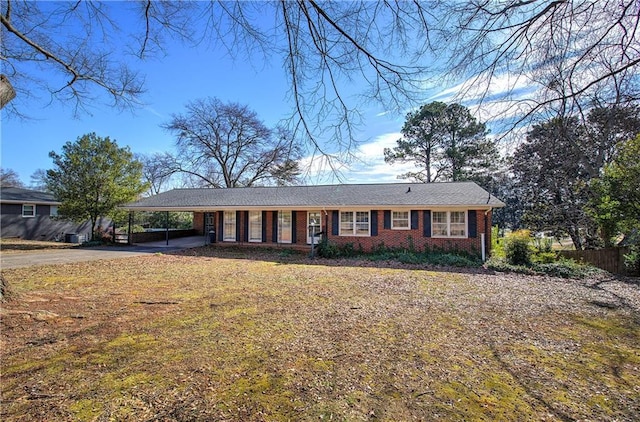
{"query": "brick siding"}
(388, 237)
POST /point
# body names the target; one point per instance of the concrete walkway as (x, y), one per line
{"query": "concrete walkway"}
(62, 256)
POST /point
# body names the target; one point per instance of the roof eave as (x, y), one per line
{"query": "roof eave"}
(29, 201)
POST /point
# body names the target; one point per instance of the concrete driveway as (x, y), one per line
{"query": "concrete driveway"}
(62, 256)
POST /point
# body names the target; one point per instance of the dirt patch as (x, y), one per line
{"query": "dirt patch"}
(281, 337)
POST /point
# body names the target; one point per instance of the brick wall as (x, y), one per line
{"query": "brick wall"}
(198, 222)
(388, 237)
(415, 237)
(143, 237)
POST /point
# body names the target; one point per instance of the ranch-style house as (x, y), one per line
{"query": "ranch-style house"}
(455, 215)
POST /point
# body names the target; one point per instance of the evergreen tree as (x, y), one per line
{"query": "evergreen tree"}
(92, 177)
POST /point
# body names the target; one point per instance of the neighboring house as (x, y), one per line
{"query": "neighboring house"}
(432, 215)
(32, 215)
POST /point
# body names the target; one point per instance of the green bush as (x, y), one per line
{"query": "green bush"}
(497, 243)
(517, 248)
(381, 252)
(565, 268)
(501, 265)
(632, 260)
(544, 257)
(136, 228)
(327, 250)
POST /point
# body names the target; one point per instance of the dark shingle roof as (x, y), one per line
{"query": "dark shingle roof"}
(19, 195)
(322, 196)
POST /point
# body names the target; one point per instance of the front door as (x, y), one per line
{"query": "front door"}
(313, 227)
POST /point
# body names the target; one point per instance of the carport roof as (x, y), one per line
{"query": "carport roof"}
(453, 194)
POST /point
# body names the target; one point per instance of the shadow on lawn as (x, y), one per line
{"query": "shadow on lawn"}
(524, 383)
(291, 256)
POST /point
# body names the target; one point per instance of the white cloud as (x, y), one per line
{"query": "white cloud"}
(367, 166)
(505, 98)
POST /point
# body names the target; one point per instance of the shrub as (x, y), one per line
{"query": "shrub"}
(497, 243)
(632, 260)
(328, 250)
(565, 268)
(500, 264)
(347, 250)
(517, 248)
(544, 257)
(455, 260)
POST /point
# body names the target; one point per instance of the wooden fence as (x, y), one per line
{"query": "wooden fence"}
(610, 259)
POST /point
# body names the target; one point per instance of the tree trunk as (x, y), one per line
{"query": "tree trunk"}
(7, 93)
(93, 227)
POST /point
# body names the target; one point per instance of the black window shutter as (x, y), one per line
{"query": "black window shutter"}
(335, 223)
(427, 223)
(221, 225)
(274, 227)
(294, 237)
(473, 224)
(245, 235)
(374, 223)
(264, 226)
(238, 218)
(414, 220)
(387, 219)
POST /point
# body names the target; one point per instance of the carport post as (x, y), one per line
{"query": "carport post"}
(129, 229)
(167, 225)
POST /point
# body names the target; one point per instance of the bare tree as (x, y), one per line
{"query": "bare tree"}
(573, 51)
(157, 170)
(226, 145)
(75, 52)
(9, 178)
(39, 180)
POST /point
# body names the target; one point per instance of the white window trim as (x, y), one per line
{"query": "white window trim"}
(281, 225)
(259, 214)
(354, 223)
(227, 236)
(53, 211)
(448, 236)
(319, 226)
(29, 215)
(408, 220)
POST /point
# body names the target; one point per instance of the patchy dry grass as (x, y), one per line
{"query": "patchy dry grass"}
(182, 338)
(16, 245)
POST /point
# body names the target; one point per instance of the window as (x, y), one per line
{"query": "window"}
(346, 223)
(28, 210)
(53, 211)
(255, 226)
(449, 223)
(284, 227)
(354, 223)
(400, 220)
(230, 226)
(458, 224)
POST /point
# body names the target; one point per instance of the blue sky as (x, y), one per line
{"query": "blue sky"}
(182, 75)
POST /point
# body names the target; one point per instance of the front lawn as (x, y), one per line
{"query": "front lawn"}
(277, 338)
